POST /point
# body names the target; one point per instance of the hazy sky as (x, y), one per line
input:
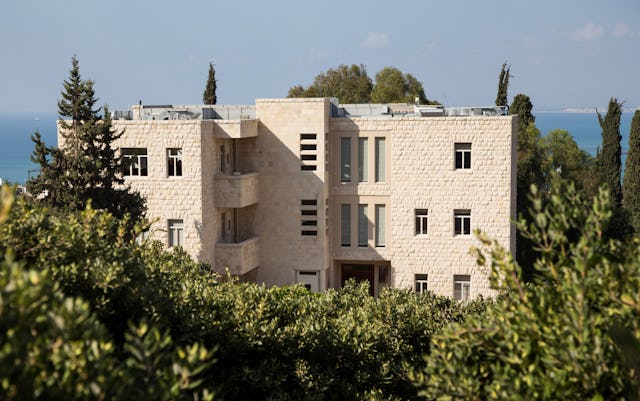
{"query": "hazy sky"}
(573, 53)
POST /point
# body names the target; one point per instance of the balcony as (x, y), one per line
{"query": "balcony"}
(236, 191)
(235, 129)
(240, 257)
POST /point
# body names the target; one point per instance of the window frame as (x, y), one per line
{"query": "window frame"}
(345, 225)
(421, 281)
(380, 159)
(174, 162)
(464, 282)
(363, 225)
(363, 159)
(421, 218)
(346, 160)
(175, 230)
(462, 156)
(134, 158)
(380, 225)
(462, 222)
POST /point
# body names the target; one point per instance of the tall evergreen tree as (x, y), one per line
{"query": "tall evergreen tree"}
(503, 85)
(609, 158)
(522, 107)
(209, 95)
(85, 167)
(609, 168)
(631, 180)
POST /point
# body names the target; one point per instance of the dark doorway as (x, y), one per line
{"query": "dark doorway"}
(358, 273)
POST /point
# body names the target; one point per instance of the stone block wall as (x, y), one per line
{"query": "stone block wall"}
(283, 184)
(421, 156)
(168, 197)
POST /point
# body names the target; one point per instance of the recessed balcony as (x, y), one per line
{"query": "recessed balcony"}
(236, 191)
(240, 257)
(235, 129)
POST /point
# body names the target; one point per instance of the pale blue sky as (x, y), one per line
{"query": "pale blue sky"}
(574, 53)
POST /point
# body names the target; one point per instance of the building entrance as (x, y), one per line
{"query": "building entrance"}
(359, 272)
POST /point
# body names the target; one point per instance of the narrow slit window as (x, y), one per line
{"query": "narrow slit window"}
(363, 226)
(345, 159)
(363, 159)
(380, 159)
(345, 225)
(380, 225)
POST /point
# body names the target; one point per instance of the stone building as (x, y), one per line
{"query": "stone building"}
(310, 191)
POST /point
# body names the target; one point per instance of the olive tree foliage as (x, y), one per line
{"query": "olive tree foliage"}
(350, 84)
(158, 316)
(392, 86)
(55, 346)
(631, 180)
(86, 168)
(565, 160)
(572, 334)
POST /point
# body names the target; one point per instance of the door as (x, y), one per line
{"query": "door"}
(358, 273)
(309, 279)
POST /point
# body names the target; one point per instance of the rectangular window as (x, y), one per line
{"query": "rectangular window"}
(176, 233)
(380, 225)
(134, 161)
(461, 286)
(421, 282)
(463, 155)
(309, 217)
(462, 222)
(345, 225)
(363, 159)
(421, 221)
(345, 159)
(308, 152)
(363, 226)
(380, 160)
(174, 162)
(223, 168)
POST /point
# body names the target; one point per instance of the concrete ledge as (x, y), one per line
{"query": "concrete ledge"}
(236, 191)
(239, 258)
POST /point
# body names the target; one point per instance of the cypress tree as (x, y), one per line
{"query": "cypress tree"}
(523, 107)
(631, 181)
(503, 85)
(609, 162)
(209, 95)
(609, 167)
(86, 166)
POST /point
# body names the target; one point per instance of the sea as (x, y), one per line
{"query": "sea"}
(16, 130)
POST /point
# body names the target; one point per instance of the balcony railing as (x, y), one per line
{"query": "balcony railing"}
(240, 257)
(236, 191)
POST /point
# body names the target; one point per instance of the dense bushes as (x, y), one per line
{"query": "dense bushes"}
(572, 335)
(151, 308)
(87, 313)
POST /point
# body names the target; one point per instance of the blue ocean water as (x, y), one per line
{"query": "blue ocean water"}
(584, 127)
(16, 130)
(16, 145)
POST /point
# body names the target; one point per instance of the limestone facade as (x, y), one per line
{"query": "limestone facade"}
(292, 190)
